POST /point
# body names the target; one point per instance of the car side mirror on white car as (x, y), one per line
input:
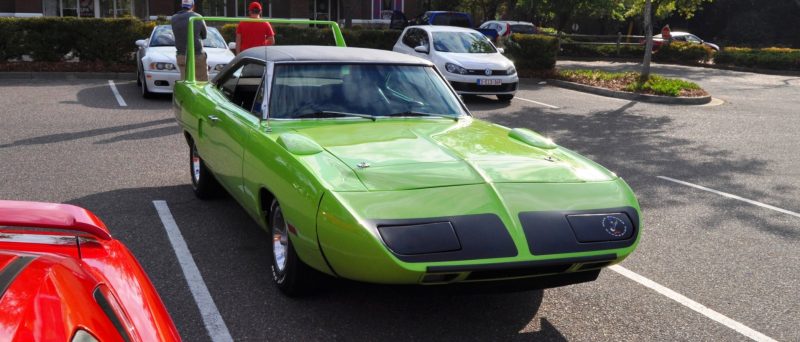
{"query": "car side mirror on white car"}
(232, 45)
(141, 43)
(501, 51)
(421, 49)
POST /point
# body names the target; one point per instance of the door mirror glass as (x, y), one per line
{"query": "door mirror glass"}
(421, 49)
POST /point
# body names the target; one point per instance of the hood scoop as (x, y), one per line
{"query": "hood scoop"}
(531, 138)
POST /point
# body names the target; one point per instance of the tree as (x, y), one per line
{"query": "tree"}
(648, 47)
(563, 12)
(661, 9)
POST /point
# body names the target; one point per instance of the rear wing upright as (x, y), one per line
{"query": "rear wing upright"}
(53, 216)
(190, 76)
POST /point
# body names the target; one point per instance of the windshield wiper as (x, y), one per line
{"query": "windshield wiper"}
(412, 113)
(333, 114)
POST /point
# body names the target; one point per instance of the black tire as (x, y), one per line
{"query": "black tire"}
(295, 278)
(505, 97)
(145, 91)
(138, 78)
(204, 184)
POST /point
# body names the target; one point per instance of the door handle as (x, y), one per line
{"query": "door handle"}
(213, 118)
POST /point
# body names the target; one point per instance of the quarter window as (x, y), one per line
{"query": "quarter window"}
(241, 86)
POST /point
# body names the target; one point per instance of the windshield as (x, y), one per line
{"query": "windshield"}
(371, 90)
(462, 42)
(522, 28)
(163, 36)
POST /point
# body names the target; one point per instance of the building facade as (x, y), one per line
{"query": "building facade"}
(339, 10)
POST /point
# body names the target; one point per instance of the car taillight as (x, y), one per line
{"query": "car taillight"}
(108, 302)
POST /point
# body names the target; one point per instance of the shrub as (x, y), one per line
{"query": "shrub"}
(532, 52)
(683, 52)
(604, 51)
(662, 86)
(50, 39)
(768, 58)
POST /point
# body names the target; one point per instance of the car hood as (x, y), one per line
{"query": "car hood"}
(407, 154)
(167, 54)
(477, 60)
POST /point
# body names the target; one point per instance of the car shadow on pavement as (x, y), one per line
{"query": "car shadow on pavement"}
(147, 134)
(230, 250)
(101, 96)
(639, 146)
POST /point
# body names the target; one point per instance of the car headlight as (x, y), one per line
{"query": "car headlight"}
(456, 69)
(511, 70)
(162, 66)
(219, 67)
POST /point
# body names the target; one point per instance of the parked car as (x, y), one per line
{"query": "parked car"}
(471, 63)
(63, 277)
(506, 27)
(449, 18)
(658, 40)
(157, 67)
(365, 165)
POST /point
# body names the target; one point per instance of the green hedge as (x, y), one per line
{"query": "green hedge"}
(305, 35)
(604, 51)
(683, 52)
(532, 52)
(767, 58)
(50, 39)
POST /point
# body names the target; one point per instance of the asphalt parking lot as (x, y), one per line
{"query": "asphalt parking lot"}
(718, 184)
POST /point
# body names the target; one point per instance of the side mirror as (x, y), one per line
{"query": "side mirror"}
(141, 43)
(501, 51)
(421, 49)
(232, 46)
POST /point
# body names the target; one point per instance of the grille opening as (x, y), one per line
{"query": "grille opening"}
(519, 272)
(592, 265)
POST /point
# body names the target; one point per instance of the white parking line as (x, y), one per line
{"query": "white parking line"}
(120, 100)
(725, 194)
(700, 308)
(215, 326)
(536, 102)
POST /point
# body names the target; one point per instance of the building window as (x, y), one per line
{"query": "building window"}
(115, 8)
(211, 8)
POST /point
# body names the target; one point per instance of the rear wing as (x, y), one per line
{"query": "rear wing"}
(53, 216)
(190, 76)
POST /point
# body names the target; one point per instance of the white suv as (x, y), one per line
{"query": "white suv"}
(466, 58)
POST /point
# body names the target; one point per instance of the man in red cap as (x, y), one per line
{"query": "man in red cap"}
(250, 34)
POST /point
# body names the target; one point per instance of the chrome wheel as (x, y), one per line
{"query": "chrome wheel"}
(280, 240)
(195, 166)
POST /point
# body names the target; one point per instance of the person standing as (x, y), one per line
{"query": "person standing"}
(180, 28)
(251, 34)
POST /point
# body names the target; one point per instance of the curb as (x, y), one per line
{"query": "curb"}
(67, 75)
(638, 61)
(632, 96)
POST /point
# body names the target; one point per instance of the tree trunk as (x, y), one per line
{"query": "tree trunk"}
(648, 48)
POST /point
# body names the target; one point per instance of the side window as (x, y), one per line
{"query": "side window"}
(423, 38)
(242, 86)
(693, 39)
(409, 39)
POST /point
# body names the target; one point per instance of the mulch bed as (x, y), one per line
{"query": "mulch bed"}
(619, 84)
(66, 67)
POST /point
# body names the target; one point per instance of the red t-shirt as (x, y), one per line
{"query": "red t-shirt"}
(254, 34)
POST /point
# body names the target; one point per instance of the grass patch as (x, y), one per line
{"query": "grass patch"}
(629, 81)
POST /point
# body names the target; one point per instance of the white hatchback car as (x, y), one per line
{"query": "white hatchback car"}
(466, 58)
(157, 68)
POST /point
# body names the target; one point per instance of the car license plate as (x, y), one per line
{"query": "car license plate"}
(489, 82)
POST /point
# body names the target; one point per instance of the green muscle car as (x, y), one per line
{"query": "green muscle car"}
(365, 164)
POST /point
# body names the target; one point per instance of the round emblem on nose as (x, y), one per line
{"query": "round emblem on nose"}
(488, 72)
(614, 226)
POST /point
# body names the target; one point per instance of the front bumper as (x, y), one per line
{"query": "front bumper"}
(468, 84)
(497, 247)
(163, 81)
